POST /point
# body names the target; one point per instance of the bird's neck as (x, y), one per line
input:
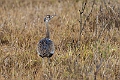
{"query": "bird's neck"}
(47, 31)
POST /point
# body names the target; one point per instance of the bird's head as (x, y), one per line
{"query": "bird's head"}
(48, 18)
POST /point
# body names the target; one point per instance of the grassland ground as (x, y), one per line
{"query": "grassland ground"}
(93, 54)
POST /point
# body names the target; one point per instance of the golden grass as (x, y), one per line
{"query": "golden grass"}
(22, 26)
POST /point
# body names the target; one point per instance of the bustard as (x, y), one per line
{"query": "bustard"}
(45, 47)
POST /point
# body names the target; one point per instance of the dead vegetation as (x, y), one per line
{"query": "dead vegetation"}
(86, 36)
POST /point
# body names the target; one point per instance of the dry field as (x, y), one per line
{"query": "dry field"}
(86, 35)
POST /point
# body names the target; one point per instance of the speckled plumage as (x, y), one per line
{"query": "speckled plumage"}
(45, 48)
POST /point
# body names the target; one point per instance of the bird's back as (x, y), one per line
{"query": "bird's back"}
(45, 48)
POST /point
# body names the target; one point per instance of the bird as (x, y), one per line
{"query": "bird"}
(45, 47)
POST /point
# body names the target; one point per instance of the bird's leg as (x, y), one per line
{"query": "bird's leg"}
(49, 61)
(49, 69)
(43, 65)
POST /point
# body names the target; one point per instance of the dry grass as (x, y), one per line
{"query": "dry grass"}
(22, 26)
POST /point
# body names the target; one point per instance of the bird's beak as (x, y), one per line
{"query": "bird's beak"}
(53, 16)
